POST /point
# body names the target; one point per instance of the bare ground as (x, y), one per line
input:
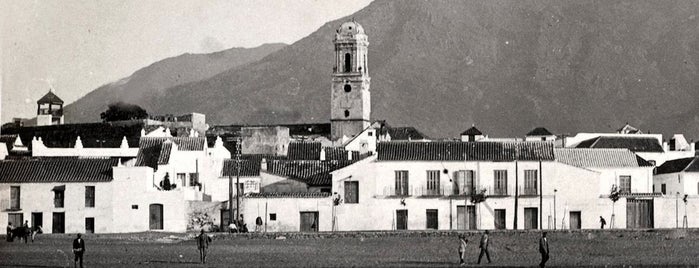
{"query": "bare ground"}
(618, 248)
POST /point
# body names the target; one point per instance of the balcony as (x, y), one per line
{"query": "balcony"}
(426, 192)
(528, 191)
(465, 190)
(391, 191)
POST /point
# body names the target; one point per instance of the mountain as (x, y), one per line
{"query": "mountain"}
(507, 66)
(149, 84)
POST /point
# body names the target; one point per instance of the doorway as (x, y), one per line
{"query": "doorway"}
(639, 213)
(432, 219)
(500, 218)
(575, 219)
(466, 217)
(37, 219)
(156, 216)
(402, 219)
(531, 218)
(309, 221)
(59, 223)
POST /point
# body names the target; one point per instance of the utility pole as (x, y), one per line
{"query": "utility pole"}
(237, 179)
(554, 208)
(541, 199)
(516, 184)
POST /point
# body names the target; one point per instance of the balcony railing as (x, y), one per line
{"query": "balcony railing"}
(463, 190)
(391, 191)
(425, 191)
(528, 191)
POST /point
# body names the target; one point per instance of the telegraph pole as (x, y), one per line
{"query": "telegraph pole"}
(516, 184)
(237, 179)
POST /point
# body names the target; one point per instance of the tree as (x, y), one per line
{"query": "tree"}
(123, 111)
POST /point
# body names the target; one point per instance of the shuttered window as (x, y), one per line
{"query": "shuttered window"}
(352, 192)
(402, 182)
(14, 198)
(500, 182)
(89, 196)
(625, 184)
(433, 182)
(530, 182)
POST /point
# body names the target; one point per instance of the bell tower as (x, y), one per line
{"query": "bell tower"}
(351, 101)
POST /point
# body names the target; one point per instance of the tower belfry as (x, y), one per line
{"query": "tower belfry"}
(351, 101)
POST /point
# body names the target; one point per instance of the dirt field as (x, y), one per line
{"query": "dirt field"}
(678, 248)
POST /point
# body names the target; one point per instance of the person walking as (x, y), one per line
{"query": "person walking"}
(602, 222)
(543, 249)
(203, 244)
(485, 242)
(462, 249)
(78, 250)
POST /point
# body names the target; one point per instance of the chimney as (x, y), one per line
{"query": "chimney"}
(349, 155)
(78, 143)
(322, 154)
(263, 164)
(124, 143)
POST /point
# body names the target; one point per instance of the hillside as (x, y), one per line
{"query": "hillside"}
(506, 66)
(148, 85)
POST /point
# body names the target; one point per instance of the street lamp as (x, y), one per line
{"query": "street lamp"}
(554, 208)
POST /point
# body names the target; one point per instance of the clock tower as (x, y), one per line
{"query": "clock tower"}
(351, 102)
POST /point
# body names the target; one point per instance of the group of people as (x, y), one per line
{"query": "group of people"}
(485, 243)
(238, 226)
(22, 232)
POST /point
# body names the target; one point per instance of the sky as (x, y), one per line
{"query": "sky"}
(76, 46)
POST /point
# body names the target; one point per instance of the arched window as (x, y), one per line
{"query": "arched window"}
(346, 113)
(348, 62)
(348, 88)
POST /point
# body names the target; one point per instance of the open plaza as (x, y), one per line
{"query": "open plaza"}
(586, 248)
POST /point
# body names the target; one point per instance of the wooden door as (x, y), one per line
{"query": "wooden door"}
(37, 219)
(575, 223)
(471, 211)
(432, 219)
(460, 217)
(500, 218)
(309, 221)
(530, 218)
(639, 213)
(402, 219)
(17, 219)
(156, 216)
(59, 221)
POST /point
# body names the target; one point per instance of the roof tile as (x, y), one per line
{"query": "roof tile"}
(465, 151)
(57, 170)
(596, 158)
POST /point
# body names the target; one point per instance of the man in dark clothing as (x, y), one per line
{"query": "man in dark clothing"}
(485, 241)
(9, 232)
(543, 249)
(78, 250)
(602, 222)
(203, 244)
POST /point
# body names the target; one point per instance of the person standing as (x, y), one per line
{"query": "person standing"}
(203, 244)
(78, 250)
(602, 222)
(543, 249)
(9, 232)
(462, 249)
(485, 242)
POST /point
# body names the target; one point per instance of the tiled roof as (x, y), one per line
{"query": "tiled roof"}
(289, 195)
(689, 164)
(311, 172)
(9, 140)
(248, 168)
(405, 133)
(473, 131)
(339, 153)
(151, 148)
(92, 135)
(165, 151)
(57, 170)
(635, 144)
(599, 158)
(540, 131)
(465, 151)
(304, 151)
(50, 98)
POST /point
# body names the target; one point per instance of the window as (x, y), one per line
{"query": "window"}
(348, 88)
(370, 133)
(181, 178)
(348, 62)
(58, 196)
(347, 113)
(352, 192)
(500, 218)
(14, 198)
(500, 182)
(543, 138)
(530, 182)
(464, 182)
(663, 188)
(17, 219)
(90, 225)
(432, 182)
(134, 206)
(401, 182)
(625, 184)
(89, 196)
(272, 216)
(193, 179)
